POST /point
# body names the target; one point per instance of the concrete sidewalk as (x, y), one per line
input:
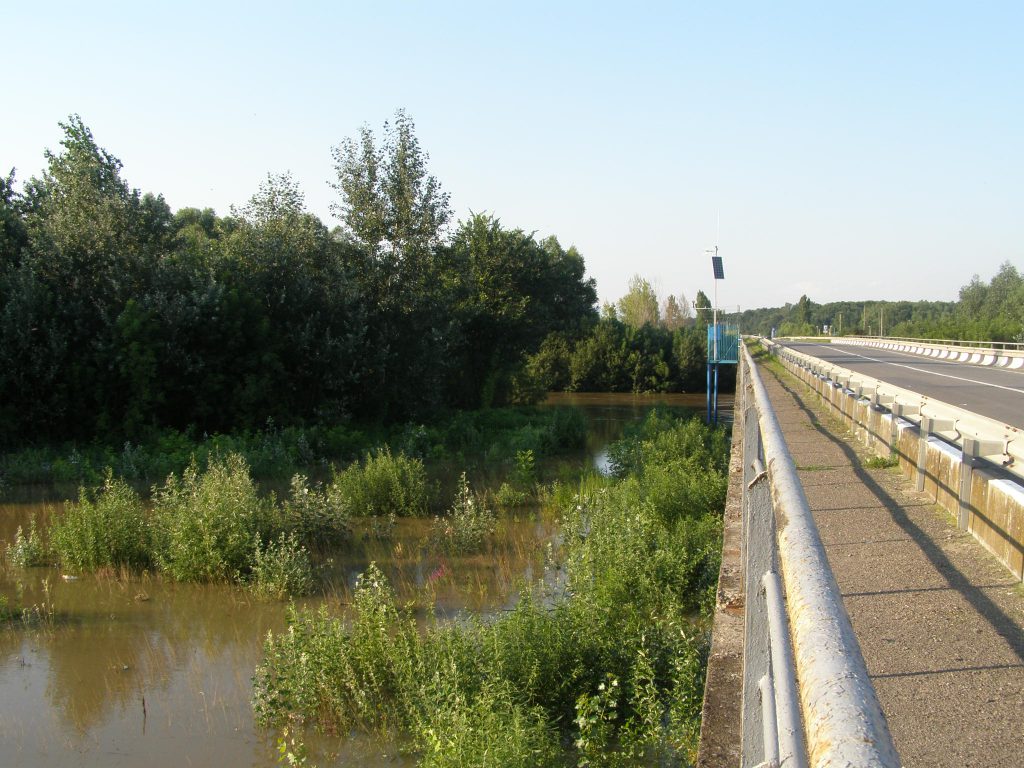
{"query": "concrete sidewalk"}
(939, 621)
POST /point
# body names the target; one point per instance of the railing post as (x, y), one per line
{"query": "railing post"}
(928, 426)
(970, 457)
(901, 411)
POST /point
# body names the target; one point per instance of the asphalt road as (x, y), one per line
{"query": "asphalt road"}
(992, 392)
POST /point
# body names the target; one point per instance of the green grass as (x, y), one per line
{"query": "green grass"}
(882, 462)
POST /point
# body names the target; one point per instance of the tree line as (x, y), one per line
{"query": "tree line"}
(639, 344)
(984, 311)
(119, 316)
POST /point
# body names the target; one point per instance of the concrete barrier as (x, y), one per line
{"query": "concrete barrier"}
(984, 499)
(1001, 358)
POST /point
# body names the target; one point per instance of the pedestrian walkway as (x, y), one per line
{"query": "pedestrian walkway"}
(939, 621)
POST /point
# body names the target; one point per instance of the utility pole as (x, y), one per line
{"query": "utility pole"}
(719, 274)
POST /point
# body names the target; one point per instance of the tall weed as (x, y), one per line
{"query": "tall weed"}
(383, 484)
(468, 524)
(282, 569)
(206, 524)
(27, 550)
(106, 528)
(318, 516)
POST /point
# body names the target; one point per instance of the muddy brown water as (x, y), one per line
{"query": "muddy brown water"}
(140, 671)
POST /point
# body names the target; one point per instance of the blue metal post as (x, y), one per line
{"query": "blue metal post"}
(709, 392)
(716, 394)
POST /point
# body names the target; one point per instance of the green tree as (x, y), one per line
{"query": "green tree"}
(639, 307)
(390, 203)
(676, 313)
(702, 309)
(13, 236)
(511, 293)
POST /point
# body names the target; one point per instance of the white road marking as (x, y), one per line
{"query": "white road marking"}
(1018, 390)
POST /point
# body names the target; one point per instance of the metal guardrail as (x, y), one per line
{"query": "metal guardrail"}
(977, 437)
(807, 698)
(989, 357)
(979, 345)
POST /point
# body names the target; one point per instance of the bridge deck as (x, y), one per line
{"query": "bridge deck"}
(939, 621)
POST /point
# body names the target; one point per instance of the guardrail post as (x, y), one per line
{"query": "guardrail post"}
(877, 403)
(928, 426)
(970, 457)
(901, 411)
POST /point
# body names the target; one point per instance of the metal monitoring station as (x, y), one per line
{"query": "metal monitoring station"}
(723, 343)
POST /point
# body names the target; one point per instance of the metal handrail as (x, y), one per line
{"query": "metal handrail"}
(842, 722)
(1004, 443)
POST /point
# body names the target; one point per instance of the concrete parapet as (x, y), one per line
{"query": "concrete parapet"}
(1000, 358)
(991, 508)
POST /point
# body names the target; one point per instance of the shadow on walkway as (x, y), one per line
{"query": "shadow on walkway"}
(1001, 622)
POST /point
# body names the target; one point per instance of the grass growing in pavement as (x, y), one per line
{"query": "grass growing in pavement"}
(882, 462)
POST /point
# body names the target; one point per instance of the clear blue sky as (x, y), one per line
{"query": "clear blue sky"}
(849, 151)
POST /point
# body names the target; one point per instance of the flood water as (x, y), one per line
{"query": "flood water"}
(140, 671)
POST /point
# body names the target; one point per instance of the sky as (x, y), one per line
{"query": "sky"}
(845, 151)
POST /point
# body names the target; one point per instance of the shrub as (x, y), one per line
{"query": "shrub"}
(468, 524)
(362, 676)
(507, 496)
(206, 524)
(490, 729)
(27, 551)
(106, 528)
(282, 569)
(319, 517)
(383, 484)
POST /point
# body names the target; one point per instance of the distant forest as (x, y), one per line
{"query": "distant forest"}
(992, 311)
(120, 318)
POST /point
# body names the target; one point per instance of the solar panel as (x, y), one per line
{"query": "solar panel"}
(716, 264)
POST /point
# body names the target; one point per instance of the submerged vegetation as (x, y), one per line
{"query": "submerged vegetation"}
(600, 665)
(496, 434)
(468, 524)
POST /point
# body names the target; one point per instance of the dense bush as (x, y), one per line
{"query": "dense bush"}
(383, 484)
(282, 568)
(107, 528)
(280, 453)
(207, 525)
